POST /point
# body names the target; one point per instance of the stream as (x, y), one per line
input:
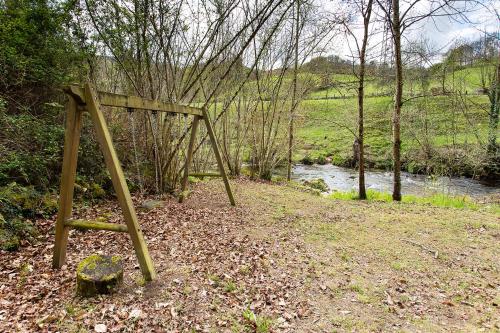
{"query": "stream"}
(346, 179)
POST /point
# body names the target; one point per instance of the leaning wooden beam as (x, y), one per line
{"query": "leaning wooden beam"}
(134, 102)
(96, 225)
(218, 157)
(71, 142)
(189, 157)
(119, 183)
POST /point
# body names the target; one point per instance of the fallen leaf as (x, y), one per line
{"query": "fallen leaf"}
(100, 328)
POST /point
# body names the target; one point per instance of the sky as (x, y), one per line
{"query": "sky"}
(440, 33)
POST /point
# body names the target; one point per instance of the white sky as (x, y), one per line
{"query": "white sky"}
(440, 32)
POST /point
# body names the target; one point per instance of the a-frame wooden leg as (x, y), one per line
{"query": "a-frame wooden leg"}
(218, 157)
(71, 142)
(189, 158)
(119, 183)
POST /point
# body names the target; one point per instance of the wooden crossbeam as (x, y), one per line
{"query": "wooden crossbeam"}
(208, 174)
(95, 225)
(133, 102)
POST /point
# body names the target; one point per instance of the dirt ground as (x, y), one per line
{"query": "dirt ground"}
(281, 261)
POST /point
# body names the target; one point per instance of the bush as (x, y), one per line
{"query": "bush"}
(307, 160)
(8, 241)
(31, 148)
(22, 201)
(18, 204)
(321, 160)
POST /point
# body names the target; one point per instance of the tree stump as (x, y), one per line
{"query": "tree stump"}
(98, 274)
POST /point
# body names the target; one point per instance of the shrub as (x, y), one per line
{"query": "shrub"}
(322, 160)
(30, 148)
(18, 204)
(307, 160)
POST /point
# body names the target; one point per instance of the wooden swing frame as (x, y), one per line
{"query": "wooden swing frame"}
(87, 99)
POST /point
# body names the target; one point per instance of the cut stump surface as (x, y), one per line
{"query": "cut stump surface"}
(99, 274)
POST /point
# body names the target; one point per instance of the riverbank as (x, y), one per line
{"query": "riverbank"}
(346, 179)
(283, 260)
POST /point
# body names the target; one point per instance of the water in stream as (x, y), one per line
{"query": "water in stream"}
(345, 179)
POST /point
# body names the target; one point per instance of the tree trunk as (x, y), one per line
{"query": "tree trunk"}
(294, 96)
(361, 96)
(396, 121)
(494, 96)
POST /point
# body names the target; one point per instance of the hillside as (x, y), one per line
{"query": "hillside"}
(437, 129)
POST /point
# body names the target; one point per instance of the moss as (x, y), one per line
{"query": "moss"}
(97, 191)
(23, 228)
(193, 180)
(98, 274)
(116, 259)
(49, 204)
(8, 241)
(89, 263)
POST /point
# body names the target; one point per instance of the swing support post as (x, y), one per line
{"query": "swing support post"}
(88, 99)
(218, 157)
(189, 158)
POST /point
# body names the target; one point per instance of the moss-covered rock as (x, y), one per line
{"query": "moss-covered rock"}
(317, 184)
(8, 240)
(99, 274)
(12, 230)
(151, 204)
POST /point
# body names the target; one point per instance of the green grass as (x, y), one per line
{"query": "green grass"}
(361, 251)
(437, 200)
(345, 85)
(261, 324)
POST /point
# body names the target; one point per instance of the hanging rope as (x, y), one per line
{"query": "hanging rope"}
(131, 120)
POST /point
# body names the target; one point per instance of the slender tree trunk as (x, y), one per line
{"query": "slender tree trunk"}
(294, 95)
(396, 121)
(494, 96)
(361, 96)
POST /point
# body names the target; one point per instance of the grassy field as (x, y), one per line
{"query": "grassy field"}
(345, 85)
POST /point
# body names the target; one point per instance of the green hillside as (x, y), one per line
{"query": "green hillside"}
(442, 125)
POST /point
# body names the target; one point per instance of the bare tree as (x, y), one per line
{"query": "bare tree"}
(294, 93)
(399, 21)
(163, 53)
(365, 8)
(494, 97)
